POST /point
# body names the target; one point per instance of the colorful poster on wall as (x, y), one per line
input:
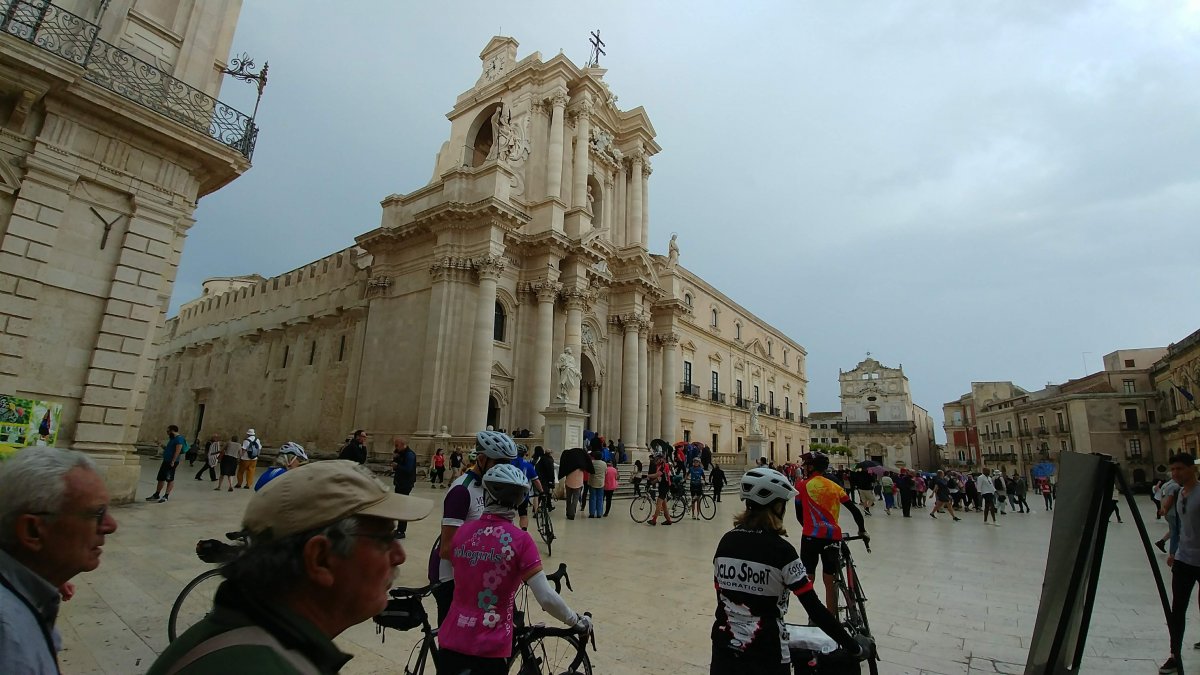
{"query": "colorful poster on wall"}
(25, 422)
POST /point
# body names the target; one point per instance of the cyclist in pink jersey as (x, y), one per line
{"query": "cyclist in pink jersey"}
(492, 557)
(818, 504)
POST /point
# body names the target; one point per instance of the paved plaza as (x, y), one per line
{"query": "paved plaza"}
(945, 597)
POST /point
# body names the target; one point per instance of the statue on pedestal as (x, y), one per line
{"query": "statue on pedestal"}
(568, 374)
(755, 427)
(673, 251)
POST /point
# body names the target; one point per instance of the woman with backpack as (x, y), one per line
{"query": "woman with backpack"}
(248, 459)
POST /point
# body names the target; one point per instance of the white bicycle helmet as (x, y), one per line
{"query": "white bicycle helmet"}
(496, 445)
(506, 484)
(291, 448)
(764, 486)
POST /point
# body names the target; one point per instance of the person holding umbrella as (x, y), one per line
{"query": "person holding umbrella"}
(573, 466)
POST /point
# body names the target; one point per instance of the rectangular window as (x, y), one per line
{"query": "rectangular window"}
(716, 381)
(787, 404)
(1009, 423)
(1061, 422)
(834, 439)
(738, 384)
(1135, 446)
(1129, 363)
(1041, 421)
(1151, 416)
(687, 373)
(739, 444)
(756, 393)
(874, 416)
(286, 350)
(687, 435)
(1063, 445)
(342, 348)
(771, 398)
(714, 442)
(312, 352)
(1127, 386)
(1025, 423)
(1131, 419)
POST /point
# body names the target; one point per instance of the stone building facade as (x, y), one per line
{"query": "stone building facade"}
(531, 238)
(1176, 378)
(1113, 412)
(109, 134)
(959, 420)
(880, 422)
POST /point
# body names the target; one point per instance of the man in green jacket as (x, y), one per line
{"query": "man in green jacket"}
(320, 556)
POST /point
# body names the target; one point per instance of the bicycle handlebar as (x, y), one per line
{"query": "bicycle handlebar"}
(560, 576)
(858, 537)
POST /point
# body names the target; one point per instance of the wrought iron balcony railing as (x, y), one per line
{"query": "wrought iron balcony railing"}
(716, 396)
(743, 402)
(1135, 426)
(789, 416)
(689, 389)
(75, 39)
(773, 411)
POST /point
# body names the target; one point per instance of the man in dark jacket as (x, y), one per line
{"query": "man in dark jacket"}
(905, 483)
(717, 478)
(404, 475)
(356, 449)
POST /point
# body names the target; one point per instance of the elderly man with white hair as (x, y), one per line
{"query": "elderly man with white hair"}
(53, 520)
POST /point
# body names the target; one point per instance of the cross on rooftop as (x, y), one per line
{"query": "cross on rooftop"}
(597, 49)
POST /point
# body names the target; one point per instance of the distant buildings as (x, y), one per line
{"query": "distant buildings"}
(879, 420)
(962, 433)
(1176, 378)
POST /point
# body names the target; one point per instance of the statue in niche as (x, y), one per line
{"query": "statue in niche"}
(590, 198)
(568, 374)
(673, 250)
(501, 132)
(755, 427)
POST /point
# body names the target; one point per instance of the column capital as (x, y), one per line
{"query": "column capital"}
(667, 340)
(450, 268)
(574, 299)
(546, 291)
(489, 266)
(632, 322)
(557, 99)
(646, 168)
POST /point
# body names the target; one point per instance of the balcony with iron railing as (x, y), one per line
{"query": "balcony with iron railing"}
(1063, 429)
(1134, 426)
(772, 410)
(743, 402)
(1043, 431)
(716, 396)
(1024, 433)
(689, 389)
(1007, 433)
(890, 427)
(76, 40)
(789, 416)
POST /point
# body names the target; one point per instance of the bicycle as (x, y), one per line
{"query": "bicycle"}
(405, 611)
(537, 649)
(545, 525)
(642, 506)
(195, 601)
(849, 590)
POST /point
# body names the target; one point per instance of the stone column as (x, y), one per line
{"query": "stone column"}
(633, 225)
(446, 294)
(594, 407)
(645, 214)
(643, 387)
(554, 155)
(573, 301)
(620, 208)
(488, 268)
(579, 172)
(670, 354)
(629, 380)
(543, 349)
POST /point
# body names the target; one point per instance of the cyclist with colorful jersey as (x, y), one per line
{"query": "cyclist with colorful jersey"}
(464, 503)
(818, 504)
(755, 568)
(290, 456)
(491, 559)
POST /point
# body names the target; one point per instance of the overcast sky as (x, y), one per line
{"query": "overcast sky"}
(977, 191)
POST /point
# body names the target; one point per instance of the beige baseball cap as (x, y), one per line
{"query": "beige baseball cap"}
(318, 494)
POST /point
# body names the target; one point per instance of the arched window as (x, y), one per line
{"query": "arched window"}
(769, 347)
(687, 299)
(499, 325)
(737, 331)
(714, 318)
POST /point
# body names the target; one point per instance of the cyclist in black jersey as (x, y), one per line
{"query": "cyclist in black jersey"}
(755, 569)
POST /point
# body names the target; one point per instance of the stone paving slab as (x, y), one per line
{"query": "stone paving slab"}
(946, 598)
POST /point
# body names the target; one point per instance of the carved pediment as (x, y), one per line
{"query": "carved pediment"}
(498, 370)
(715, 357)
(688, 345)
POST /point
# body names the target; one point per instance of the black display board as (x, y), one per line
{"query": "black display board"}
(1081, 514)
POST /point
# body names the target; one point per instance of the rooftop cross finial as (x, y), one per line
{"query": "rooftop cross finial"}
(597, 49)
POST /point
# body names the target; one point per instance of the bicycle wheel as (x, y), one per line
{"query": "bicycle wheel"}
(679, 506)
(640, 509)
(857, 597)
(194, 603)
(708, 508)
(546, 528)
(552, 655)
(418, 657)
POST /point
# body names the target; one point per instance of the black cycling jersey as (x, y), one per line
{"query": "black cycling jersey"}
(754, 571)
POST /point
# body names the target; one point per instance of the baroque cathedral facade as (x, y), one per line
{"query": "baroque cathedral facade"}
(531, 238)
